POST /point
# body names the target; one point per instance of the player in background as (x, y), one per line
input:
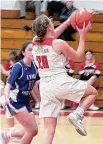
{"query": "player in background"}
(2, 85)
(50, 55)
(17, 91)
(11, 60)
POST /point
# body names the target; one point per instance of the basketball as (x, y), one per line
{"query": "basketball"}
(79, 17)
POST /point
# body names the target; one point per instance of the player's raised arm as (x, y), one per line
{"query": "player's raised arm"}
(61, 28)
(63, 47)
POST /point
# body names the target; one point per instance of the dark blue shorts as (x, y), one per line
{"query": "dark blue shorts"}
(15, 107)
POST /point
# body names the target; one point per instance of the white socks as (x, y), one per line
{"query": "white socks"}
(79, 111)
(10, 131)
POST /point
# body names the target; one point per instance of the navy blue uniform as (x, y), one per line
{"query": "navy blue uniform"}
(22, 80)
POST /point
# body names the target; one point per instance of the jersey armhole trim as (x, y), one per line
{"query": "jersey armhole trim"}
(22, 70)
(35, 68)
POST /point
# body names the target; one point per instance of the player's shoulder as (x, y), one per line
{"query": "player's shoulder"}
(58, 41)
(18, 65)
(59, 45)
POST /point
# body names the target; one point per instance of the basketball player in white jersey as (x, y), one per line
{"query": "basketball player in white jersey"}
(50, 55)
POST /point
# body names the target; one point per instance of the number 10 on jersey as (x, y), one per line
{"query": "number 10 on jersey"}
(42, 62)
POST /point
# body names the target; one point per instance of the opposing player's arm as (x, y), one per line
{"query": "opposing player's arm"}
(60, 46)
(15, 74)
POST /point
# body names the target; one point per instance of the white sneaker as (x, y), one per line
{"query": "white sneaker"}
(93, 107)
(16, 139)
(76, 120)
(37, 105)
(3, 138)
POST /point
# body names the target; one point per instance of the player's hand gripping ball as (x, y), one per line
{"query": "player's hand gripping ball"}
(79, 17)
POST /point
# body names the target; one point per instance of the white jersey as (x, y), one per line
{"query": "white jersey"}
(47, 60)
(55, 84)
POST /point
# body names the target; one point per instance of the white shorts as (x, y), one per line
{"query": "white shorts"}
(56, 88)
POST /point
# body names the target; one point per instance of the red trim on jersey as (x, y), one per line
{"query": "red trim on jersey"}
(97, 66)
(71, 63)
(82, 65)
(46, 41)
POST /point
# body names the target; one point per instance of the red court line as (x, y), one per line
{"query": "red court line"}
(88, 114)
(65, 113)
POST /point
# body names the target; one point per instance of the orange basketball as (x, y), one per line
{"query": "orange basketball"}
(79, 17)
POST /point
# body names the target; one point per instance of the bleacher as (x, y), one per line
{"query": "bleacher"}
(13, 36)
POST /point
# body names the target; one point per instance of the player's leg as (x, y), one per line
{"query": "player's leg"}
(9, 118)
(49, 110)
(88, 98)
(77, 116)
(36, 94)
(27, 120)
(49, 129)
(29, 123)
(94, 82)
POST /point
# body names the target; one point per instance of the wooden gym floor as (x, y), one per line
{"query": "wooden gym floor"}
(65, 132)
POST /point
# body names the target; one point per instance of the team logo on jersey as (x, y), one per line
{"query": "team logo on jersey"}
(31, 76)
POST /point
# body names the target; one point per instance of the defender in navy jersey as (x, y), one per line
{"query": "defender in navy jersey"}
(22, 80)
(17, 91)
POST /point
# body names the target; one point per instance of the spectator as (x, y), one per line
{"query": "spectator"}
(12, 58)
(89, 71)
(22, 9)
(68, 10)
(30, 6)
(55, 9)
